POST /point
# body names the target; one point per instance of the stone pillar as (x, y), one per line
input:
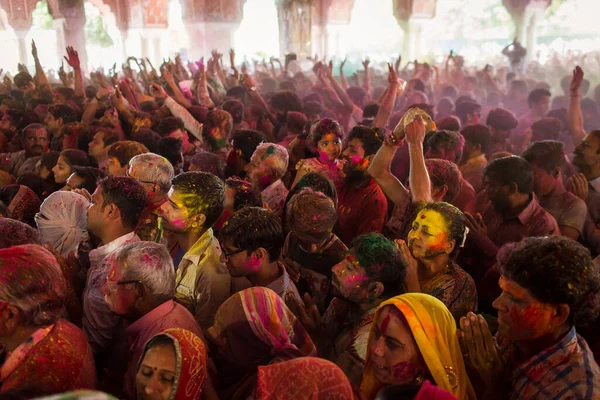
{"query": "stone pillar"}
(295, 27)
(22, 45)
(69, 20)
(320, 33)
(526, 15)
(411, 16)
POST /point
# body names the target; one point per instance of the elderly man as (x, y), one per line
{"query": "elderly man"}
(155, 174)
(267, 166)
(40, 350)
(112, 216)
(140, 287)
(35, 141)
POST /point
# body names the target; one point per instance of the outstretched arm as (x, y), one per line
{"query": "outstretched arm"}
(389, 99)
(40, 76)
(72, 59)
(575, 115)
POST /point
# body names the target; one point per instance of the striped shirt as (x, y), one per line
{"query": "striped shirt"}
(565, 370)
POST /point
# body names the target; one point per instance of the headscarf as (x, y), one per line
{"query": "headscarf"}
(24, 205)
(270, 320)
(190, 366)
(16, 233)
(434, 330)
(62, 221)
(304, 378)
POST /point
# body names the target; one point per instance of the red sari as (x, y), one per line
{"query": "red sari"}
(190, 366)
(61, 361)
(303, 378)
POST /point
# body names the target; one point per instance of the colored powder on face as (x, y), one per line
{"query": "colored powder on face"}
(253, 264)
(385, 323)
(404, 371)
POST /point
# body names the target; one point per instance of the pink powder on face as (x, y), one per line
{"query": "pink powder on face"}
(253, 264)
(385, 323)
(178, 223)
(404, 371)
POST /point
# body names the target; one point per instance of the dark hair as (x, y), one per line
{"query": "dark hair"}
(245, 194)
(75, 157)
(448, 140)
(287, 101)
(501, 119)
(455, 220)
(209, 162)
(67, 92)
(253, 227)
(318, 183)
(169, 125)
(90, 176)
(313, 108)
(324, 126)
(371, 138)
(236, 109)
(449, 123)
(589, 106)
(148, 106)
(127, 195)
(547, 128)
(288, 85)
(444, 172)
(546, 154)
(125, 150)
(519, 84)
(110, 136)
(465, 108)
(76, 129)
(148, 138)
(478, 134)
(382, 261)
(450, 91)
(536, 95)
(21, 79)
(356, 94)
(512, 169)
(33, 182)
(49, 159)
(313, 96)
(295, 122)
(370, 110)
(236, 92)
(246, 140)
(91, 91)
(418, 84)
(203, 192)
(170, 148)
(555, 270)
(18, 118)
(66, 112)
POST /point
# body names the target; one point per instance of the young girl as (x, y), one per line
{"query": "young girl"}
(67, 160)
(326, 140)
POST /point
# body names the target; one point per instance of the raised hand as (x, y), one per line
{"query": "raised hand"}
(158, 91)
(576, 80)
(232, 57)
(366, 63)
(34, 51)
(72, 58)
(578, 185)
(416, 130)
(398, 62)
(392, 75)
(476, 226)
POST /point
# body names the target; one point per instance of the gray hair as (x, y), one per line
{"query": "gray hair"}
(154, 168)
(276, 156)
(32, 281)
(151, 264)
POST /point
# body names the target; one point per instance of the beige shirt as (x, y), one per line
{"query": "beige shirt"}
(203, 282)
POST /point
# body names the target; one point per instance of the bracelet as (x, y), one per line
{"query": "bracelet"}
(392, 141)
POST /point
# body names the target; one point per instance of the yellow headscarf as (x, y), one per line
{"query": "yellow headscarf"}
(434, 330)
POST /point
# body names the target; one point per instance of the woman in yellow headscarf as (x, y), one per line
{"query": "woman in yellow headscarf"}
(413, 339)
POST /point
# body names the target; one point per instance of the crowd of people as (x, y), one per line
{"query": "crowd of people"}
(210, 230)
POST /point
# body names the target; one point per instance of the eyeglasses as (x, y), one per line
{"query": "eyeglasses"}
(230, 254)
(139, 180)
(113, 285)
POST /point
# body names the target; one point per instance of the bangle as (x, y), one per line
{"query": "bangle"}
(392, 141)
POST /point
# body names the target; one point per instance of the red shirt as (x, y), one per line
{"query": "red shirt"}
(360, 211)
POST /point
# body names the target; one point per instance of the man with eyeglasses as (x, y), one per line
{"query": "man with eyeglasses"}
(251, 242)
(35, 141)
(140, 287)
(155, 174)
